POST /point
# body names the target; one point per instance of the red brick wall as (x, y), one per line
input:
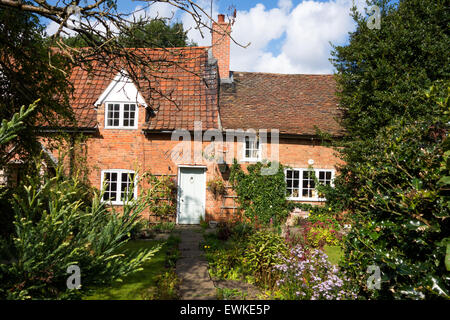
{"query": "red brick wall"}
(133, 150)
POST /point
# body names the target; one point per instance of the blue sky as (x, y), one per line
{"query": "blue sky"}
(284, 36)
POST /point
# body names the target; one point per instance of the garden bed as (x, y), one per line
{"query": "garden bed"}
(248, 262)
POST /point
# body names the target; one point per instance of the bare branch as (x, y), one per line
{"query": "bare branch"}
(100, 25)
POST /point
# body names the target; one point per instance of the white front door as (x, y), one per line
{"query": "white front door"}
(191, 195)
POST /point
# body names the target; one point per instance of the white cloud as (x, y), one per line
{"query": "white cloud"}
(301, 33)
(259, 27)
(161, 10)
(53, 27)
(304, 33)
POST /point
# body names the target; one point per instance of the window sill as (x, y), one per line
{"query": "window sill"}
(250, 160)
(307, 199)
(121, 128)
(114, 204)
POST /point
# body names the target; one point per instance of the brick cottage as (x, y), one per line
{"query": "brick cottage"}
(131, 130)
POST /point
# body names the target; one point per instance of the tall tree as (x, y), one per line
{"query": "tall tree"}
(158, 33)
(393, 153)
(29, 71)
(382, 72)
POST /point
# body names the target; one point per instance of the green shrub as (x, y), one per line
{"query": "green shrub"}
(55, 229)
(166, 287)
(400, 213)
(203, 224)
(163, 227)
(173, 253)
(242, 230)
(326, 219)
(138, 228)
(7, 212)
(319, 237)
(227, 263)
(263, 250)
(230, 294)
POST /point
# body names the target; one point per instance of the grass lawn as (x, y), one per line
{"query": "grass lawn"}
(136, 284)
(334, 253)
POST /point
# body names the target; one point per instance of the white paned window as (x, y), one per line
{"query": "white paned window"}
(121, 115)
(252, 149)
(301, 185)
(117, 185)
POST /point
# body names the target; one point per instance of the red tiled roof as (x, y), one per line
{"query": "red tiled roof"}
(292, 103)
(180, 92)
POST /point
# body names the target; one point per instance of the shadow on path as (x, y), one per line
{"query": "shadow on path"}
(192, 267)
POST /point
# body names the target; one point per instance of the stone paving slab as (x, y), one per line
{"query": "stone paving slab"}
(198, 290)
(192, 267)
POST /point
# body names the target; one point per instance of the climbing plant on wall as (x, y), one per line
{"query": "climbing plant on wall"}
(262, 198)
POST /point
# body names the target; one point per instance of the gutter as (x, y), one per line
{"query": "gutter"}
(223, 131)
(66, 129)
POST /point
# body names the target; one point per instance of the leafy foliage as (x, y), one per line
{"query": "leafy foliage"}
(250, 256)
(227, 263)
(264, 249)
(224, 231)
(162, 190)
(30, 71)
(165, 227)
(400, 213)
(166, 287)
(156, 33)
(261, 197)
(55, 229)
(10, 129)
(313, 233)
(217, 187)
(394, 154)
(381, 73)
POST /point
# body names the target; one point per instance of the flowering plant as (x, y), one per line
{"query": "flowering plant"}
(319, 236)
(307, 275)
(313, 234)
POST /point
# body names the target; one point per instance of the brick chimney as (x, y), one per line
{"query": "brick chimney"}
(221, 46)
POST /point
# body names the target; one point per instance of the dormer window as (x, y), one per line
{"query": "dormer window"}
(121, 115)
(121, 100)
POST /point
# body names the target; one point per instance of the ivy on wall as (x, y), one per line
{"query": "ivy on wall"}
(262, 198)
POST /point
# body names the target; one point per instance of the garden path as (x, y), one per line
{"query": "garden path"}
(192, 267)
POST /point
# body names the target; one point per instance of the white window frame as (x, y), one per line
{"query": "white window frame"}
(244, 148)
(301, 171)
(121, 114)
(119, 172)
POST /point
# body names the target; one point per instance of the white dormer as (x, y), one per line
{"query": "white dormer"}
(121, 100)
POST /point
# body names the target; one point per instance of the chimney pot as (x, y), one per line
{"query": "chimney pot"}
(221, 18)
